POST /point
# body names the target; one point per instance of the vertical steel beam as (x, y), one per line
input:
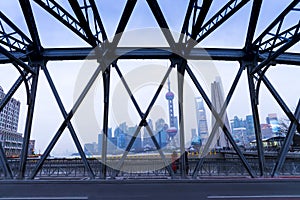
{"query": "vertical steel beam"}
(70, 126)
(106, 79)
(254, 104)
(287, 142)
(28, 125)
(180, 81)
(106, 89)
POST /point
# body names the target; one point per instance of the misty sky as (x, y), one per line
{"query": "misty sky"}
(67, 75)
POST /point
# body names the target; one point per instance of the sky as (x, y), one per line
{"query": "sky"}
(68, 75)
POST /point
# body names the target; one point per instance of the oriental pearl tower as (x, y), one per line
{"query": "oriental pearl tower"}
(172, 130)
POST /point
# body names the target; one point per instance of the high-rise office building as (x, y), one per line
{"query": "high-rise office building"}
(120, 133)
(9, 118)
(161, 134)
(218, 101)
(201, 119)
(243, 129)
(249, 124)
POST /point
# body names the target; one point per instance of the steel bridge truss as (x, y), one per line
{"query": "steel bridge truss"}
(29, 57)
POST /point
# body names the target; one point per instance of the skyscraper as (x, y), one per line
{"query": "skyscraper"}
(250, 132)
(218, 101)
(9, 117)
(201, 119)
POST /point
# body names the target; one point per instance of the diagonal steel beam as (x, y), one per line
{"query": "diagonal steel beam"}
(98, 21)
(83, 22)
(66, 121)
(280, 17)
(200, 19)
(4, 163)
(277, 39)
(124, 20)
(16, 60)
(143, 121)
(14, 39)
(281, 39)
(220, 121)
(70, 126)
(216, 124)
(280, 101)
(64, 17)
(287, 142)
(256, 7)
(30, 21)
(10, 93)
(102, 66)
(282, 49)
(185, 26)
(218, 19)
(159, 16)
(83, 15)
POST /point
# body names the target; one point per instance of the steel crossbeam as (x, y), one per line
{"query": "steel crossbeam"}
(222, 54)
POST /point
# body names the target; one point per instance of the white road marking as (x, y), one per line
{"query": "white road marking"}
(254, 197)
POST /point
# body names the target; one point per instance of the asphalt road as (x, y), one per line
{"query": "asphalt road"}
(151, 189)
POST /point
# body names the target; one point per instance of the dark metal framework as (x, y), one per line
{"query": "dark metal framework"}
(28, 56)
